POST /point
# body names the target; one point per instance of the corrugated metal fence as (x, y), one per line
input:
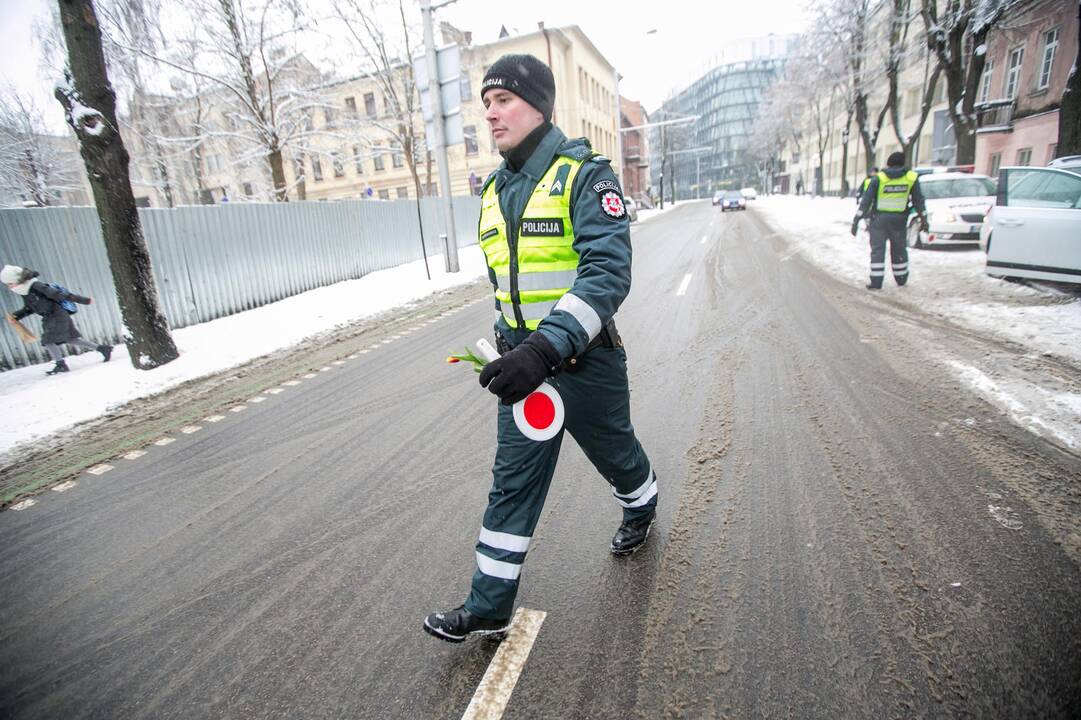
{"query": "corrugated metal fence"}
(212, 261)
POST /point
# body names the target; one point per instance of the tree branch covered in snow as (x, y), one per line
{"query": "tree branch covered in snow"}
(35, 167)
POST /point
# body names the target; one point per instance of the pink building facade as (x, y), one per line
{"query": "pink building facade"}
(1029, 56)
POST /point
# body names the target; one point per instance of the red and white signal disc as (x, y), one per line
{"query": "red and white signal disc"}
(540, 416)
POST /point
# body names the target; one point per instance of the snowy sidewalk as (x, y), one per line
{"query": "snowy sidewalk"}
(951, 283)
(40, 405)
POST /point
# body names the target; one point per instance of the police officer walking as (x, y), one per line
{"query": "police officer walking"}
(555, 234)
(886, 201)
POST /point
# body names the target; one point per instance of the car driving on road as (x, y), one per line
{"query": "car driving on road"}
(733, 200)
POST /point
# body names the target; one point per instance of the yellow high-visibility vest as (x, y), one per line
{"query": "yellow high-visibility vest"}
(893, 192)
(546, 264)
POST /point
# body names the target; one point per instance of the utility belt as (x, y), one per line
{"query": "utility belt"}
(608, 337)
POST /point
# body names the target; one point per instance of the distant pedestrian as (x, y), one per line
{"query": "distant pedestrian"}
(887, 200)
(47, 301)
(866, 181)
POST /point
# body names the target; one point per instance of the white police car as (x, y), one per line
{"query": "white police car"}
(957, 203)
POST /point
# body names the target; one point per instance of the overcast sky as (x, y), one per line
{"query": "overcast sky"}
(688, 34)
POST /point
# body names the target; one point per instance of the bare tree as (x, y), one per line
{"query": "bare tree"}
(900, 16)
(388, 62)
(957, 34)
(35, 167)
(90, 106)
(260, 92)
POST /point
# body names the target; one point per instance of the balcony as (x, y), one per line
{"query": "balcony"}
(995, 116)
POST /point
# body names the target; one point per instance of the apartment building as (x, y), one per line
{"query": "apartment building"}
(1028, 62)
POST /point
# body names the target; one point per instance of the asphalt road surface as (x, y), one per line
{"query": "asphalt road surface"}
(843, 531)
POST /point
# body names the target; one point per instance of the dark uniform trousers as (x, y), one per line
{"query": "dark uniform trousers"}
(891, 227)
(598, 416)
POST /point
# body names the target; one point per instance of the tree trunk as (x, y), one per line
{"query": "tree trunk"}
(277, 174)
(90, 105)
(1069, 114)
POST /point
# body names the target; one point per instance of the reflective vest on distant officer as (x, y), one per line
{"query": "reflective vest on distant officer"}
(893, 192)
(533, 279)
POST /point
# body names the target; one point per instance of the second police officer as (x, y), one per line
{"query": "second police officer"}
(887, 200)
(555, 235)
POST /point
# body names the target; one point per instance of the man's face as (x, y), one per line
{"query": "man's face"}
(510, 117)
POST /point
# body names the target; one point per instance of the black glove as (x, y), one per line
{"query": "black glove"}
(855, 226)
(924, 225)
(521, 371)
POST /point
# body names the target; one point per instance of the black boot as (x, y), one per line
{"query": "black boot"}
(873, 287)
(106, 352)
(632, 534)
(60, 367)
(458, 624)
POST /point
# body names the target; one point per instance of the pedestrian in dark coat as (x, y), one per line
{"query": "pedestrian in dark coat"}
(57, 325)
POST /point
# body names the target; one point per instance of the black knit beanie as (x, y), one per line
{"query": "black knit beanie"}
(896, 159)
(525, 76)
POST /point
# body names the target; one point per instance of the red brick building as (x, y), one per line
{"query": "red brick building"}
(1029, 55)
(636, 179)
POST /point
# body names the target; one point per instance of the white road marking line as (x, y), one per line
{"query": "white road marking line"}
(364, 352)
(309, 376)
(238, 408)
(100, 469)
(161, 442)
(704, 238)
(388, 341)
(338, 362)
(683, 285)
(257, 399)
(788, 255)
(498, 683)
(27, 503)
(134, 454)
(291, 383)
(399, 335)
(374, 346)
(325, 369)
(274, 391)
(214, 418)
(189, 429)
(354, 356)
(65, 486)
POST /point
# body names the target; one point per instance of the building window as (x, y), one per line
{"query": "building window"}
(1050, 47)
(329, 121)
(470, 133)
(358, 160)
(1051, 152)
(1024, 156)
(402, 192)
(298, 167)
(384, 194)
(369, 104)
(1013, 73)
(351, 107)
(213, 164)
(465, 88)
(377, 156)
(996, 163)
(398, 156)
(248, 192)
(985, 81)
(339, 166)
(317, 169)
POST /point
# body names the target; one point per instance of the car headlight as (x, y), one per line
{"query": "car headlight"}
(949, 217)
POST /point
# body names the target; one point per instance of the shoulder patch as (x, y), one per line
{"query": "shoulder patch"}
(605, 185)
(612, 204)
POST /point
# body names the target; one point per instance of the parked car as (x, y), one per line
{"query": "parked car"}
(632, 208)
(956, 206)
(1070, 162)
(717, 196)
(749, 193)
(1034, 228)
(732, 200)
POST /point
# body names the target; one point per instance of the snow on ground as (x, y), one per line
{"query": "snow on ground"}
(43, 405)
(950, 282)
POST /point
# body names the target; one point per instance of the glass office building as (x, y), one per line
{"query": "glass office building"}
(708, 154)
